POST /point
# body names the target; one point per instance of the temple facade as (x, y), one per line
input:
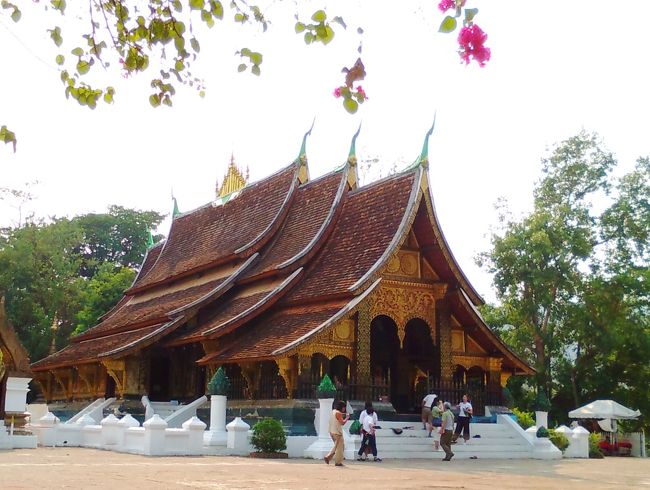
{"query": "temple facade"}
(284, 280)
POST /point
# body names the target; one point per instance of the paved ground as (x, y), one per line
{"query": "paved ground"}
(75, 468)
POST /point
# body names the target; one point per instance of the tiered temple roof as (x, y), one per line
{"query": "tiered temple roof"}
(269, 269)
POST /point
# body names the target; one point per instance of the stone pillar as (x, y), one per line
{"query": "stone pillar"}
(217, 435)
(110, 430)
(541, 419)
(580, 442)
(46, 429)
(324, 443)
(238, 437)
(443, 318)
(196, 429)
(362, 352)
(124, 424)
(154, 436)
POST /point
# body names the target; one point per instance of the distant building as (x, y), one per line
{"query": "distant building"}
(285, 279)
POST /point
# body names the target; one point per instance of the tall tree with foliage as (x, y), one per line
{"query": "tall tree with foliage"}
(573, 283)
(69, 272)
(537, 260)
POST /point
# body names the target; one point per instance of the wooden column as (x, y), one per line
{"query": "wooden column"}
(443, 319)
(362, 351)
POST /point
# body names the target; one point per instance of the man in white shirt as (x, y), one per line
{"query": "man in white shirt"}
(464, 415)
(427, 416)
(369, 439)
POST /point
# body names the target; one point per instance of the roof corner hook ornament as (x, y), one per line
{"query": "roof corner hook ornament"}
(302, 157)
(424, 156)
(352, 155)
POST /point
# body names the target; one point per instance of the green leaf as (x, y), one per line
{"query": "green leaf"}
(309, 38)
(319, 16)
(255, 70)
(178, 6)
(239, 17)
(217, 9)
(299, 27)
(329, 35)
(77, 51)
(448, 24)
(15, 15)
(60, 59)
(256, 58)
(202, 93)
(154, 100)
(7, 137)
(350, 105)
(83, 67)
(470, 14)
(59, 5)
(242, 67)
(179, 65)
(197, 4)
(55, 34)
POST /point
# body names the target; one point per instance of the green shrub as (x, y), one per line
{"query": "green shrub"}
(594, 449)
(524, 419)
(560, 440)
(268, 436)
(542, 432)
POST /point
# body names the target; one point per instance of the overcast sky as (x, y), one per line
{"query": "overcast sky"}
(556, 67)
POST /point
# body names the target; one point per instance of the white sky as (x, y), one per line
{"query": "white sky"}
(556, 67)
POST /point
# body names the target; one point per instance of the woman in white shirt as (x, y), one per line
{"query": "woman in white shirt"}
(464, 415)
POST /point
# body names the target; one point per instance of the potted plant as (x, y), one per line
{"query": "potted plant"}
(269, 439)
(326, 388)
(542, 432)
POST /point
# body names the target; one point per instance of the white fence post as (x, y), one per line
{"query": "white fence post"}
(154, 436)
(196, 429)
(238, 437)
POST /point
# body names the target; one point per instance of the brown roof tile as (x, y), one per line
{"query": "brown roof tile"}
(91, 350)
(369, 221)
(210, 234)
(306, 217)
(152, 310)
(277, 331)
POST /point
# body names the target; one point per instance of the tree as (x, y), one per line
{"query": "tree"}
(164, 37)
(574, 284)
(68, 272)
(536, 261)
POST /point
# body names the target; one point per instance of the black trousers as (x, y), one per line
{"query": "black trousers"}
(462, 426)
(369, 440)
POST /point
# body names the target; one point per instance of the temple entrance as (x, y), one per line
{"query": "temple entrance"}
(406, 369)
(384, 354)
(159, 379)
(110, 387)
(339, 371)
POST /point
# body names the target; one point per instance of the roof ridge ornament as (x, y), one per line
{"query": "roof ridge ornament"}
(175, 212)
(424, 156)
(302, 156)
(352, 155)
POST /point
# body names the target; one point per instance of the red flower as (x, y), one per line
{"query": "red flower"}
(471, 40)
(445, 5)
(361, 92)
(337, 92)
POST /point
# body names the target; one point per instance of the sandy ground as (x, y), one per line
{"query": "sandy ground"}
(46, 468)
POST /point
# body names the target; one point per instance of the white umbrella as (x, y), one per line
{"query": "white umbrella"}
(604, 409)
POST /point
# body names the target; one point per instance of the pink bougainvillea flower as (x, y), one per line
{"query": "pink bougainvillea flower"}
(471, 40)
(361, 92)
(337, 92)
(445, 5)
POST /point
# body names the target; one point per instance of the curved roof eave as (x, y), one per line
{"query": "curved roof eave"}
(486, 328)
(345, 311)
(446, 251)
(329, 220)
(398, 239)
(256, 309)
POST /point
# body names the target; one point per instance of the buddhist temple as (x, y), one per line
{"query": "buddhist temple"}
(285, 279)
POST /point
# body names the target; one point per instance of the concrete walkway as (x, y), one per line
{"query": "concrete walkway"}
(78, 468)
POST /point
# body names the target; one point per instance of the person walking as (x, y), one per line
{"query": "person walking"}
(427, 417)
(446, 431)
(362, 455)
(436, 412)
(336, 423)
(464, 416)
(369, 442)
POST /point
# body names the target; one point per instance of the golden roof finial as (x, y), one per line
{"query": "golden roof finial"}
(54, 328)
(233, 181)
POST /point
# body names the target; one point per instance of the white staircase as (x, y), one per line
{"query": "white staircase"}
(94, 410)
(496, 441)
